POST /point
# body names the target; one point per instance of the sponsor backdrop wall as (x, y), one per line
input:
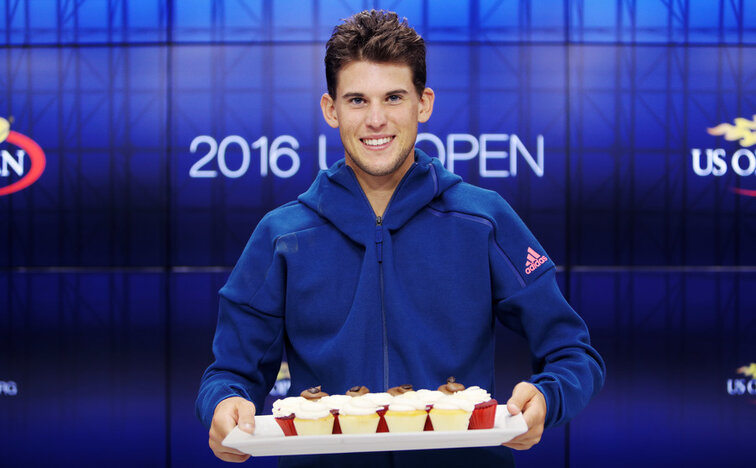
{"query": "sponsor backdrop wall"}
(621, 131)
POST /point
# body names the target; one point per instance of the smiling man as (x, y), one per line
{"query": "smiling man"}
(391, 270)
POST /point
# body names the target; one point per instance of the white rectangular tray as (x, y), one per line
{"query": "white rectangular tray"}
(268, 438)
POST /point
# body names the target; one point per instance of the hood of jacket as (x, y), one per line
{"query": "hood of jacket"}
(337, 196)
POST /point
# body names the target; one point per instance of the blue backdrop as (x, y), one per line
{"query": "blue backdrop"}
(169, 128)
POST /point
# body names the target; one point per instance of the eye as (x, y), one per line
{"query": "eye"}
(394, 98)
(358, 101)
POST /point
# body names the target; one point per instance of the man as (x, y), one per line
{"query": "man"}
(390, 270)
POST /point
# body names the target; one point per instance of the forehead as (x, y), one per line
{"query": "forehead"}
(373, 78)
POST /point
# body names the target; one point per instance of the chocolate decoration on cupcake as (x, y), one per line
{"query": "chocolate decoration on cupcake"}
(313, 393)
(394, 391)
(357, 390)
(451, 386)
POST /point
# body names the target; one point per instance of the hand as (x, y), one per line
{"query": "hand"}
(231, 412)
(527, 398)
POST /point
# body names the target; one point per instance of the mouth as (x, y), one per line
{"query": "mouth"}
(377, 143)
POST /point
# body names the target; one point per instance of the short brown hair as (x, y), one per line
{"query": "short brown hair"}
(375, 36)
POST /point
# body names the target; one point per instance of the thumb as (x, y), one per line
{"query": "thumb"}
(246, 412)
(521, 394)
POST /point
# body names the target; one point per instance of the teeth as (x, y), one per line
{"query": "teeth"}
(376, 142)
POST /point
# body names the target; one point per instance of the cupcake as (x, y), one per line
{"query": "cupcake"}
(484, 414)
(451, 414)
(428, 397)
(313, 418)
(359, 416)
(451, 386)
(283, 413)
(406, 413)
(334, 404)
(382, 401)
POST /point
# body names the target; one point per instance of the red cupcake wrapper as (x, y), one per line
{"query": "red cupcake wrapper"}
(382, 425)
(336, 425)
(287, 425)
(483, 415)
(428, 423)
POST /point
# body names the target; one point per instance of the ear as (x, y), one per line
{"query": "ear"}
(425, 105)
(329, 110)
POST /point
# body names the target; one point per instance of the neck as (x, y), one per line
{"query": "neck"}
(380, 189)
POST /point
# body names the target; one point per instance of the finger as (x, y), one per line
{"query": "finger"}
(232, 457)
(523, 441)
(246, 413)
(521, 394)
(223, 423)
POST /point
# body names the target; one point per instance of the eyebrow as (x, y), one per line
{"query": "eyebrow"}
(361, 95)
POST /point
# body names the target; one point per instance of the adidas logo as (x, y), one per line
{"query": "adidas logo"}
(534, 261)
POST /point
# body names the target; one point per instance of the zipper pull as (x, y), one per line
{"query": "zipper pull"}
(379, 239)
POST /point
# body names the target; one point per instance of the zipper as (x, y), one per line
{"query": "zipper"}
(379, 258)
(379, 253)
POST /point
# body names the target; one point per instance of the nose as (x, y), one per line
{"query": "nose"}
(376, 117)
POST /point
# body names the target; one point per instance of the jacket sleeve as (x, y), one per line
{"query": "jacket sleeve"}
(248, 343)
(566, 368)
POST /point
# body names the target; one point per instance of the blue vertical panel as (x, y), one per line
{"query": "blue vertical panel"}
(33, 22)
(296, 112)
(717, 96)
(87, 353)
(293, 21)
(5, 230)
(98, 114)
(634, 129)
(748, 17)
(500, 21)
(594, 159)
(192, 21)
(593, 21)
(659, 21)
(85, 22)
(194, 312)
(141, 22)
(230, 109)
(671, 341)
(449, 20)
(704, 17)
(201, 21)
(541, 21)
(245, 20)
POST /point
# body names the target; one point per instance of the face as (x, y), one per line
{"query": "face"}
(377, 110)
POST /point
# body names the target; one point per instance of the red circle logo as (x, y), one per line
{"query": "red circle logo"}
(37, 160)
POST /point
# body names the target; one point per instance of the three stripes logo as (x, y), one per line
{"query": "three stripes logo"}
(534, 261)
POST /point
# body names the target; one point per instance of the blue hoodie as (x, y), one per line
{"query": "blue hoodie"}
(409, 298)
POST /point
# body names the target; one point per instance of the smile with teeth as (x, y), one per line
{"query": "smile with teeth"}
(377, 141)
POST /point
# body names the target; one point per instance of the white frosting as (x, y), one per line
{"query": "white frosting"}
(311, 410)
(380, 399)
(474, 394)
(407, 400)
(359, 406)
(335, 401)
(452, 403)
(286, 407)
(429, 396)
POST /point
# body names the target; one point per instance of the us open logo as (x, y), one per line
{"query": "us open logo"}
(14, 149)
(714, 161)
(745, 385)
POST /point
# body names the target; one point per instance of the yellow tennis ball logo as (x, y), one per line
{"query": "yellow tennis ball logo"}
(4, 129)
